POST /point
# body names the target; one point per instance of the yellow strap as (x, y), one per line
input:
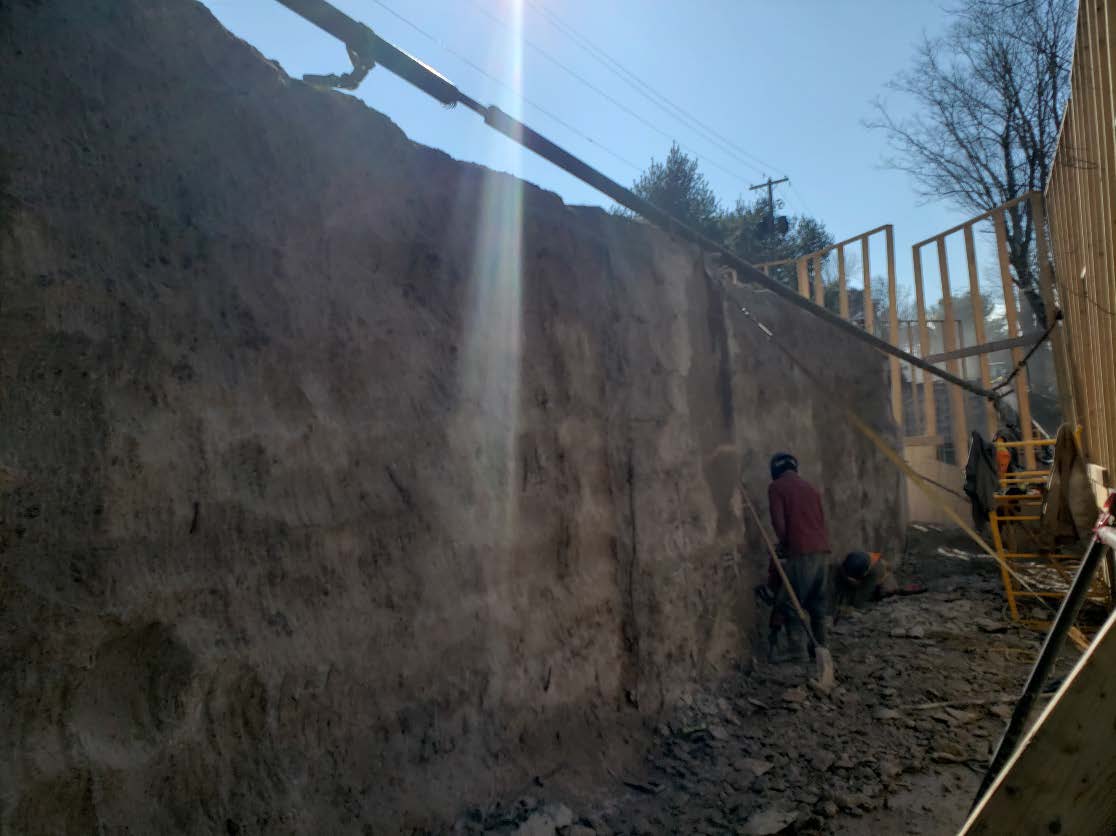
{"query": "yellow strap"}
(912, 474)
(889, 451)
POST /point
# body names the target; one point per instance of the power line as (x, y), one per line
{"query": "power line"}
(477, 68)
(611, 99)
(670, 107)
(640, 86)
(801, 199)
(708, 132)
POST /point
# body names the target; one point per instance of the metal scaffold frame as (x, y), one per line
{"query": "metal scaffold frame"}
(1017, 518)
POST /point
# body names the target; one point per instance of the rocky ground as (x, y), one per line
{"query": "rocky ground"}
(925, 684)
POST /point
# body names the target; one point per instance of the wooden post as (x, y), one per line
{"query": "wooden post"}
(1092, 275)
(1061, 220)
(957, 421)
(977, 302)
(1086, 345)
(929, 408)
(1087, 278)
(893, 331)
(1075, 243)
(1010, 313)
(1058, 243)
(803, 277)
(1046, 285)
(819, 283)
(842, 289)
(1104, 178)
(869, 308)
(1109, 227)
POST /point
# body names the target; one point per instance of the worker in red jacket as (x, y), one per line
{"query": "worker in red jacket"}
(799, 523)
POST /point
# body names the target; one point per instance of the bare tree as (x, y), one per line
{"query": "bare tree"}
(989, 96)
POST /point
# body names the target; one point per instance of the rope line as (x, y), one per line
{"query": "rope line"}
(1022, 363)
(938, 484)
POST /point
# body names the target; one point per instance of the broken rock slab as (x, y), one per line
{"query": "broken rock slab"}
(915, 632)
(823, 761)
(854, 803)
(752, 766)
(577, 830)
(889, 770)
(828, 809)
(546, 821)
(987, 625)
(795, 695)
(769, 822)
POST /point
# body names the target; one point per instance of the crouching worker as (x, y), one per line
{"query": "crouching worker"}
(799, 523)
(862, 578)
(865, 577)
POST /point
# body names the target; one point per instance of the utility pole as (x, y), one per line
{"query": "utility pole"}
(770, 186)
(769, 224)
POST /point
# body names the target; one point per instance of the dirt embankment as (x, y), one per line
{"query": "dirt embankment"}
(343, 482)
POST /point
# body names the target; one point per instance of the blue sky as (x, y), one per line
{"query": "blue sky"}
(788, 82)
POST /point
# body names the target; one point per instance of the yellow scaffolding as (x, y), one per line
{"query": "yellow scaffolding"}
(1015, 523)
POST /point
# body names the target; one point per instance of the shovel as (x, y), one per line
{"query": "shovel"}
(822, 657)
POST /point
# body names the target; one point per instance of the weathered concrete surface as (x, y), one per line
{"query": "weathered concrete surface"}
(300, 529)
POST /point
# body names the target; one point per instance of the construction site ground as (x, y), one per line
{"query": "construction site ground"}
(925, 685)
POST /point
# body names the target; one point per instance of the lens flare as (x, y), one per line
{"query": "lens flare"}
(490, 370)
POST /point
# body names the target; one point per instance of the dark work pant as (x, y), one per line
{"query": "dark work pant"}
(809, 576)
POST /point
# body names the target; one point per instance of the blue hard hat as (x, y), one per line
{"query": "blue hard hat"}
(781, 463)
(856, 565)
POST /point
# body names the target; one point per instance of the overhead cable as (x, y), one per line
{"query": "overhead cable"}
(607, 96)
(635, 80)
(479, 69)
(648, 92)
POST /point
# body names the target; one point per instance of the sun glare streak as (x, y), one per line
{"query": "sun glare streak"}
(491, 358)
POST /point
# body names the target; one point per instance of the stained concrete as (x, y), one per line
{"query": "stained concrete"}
(327, 502)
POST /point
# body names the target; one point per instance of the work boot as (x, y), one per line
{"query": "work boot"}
(794, 650)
